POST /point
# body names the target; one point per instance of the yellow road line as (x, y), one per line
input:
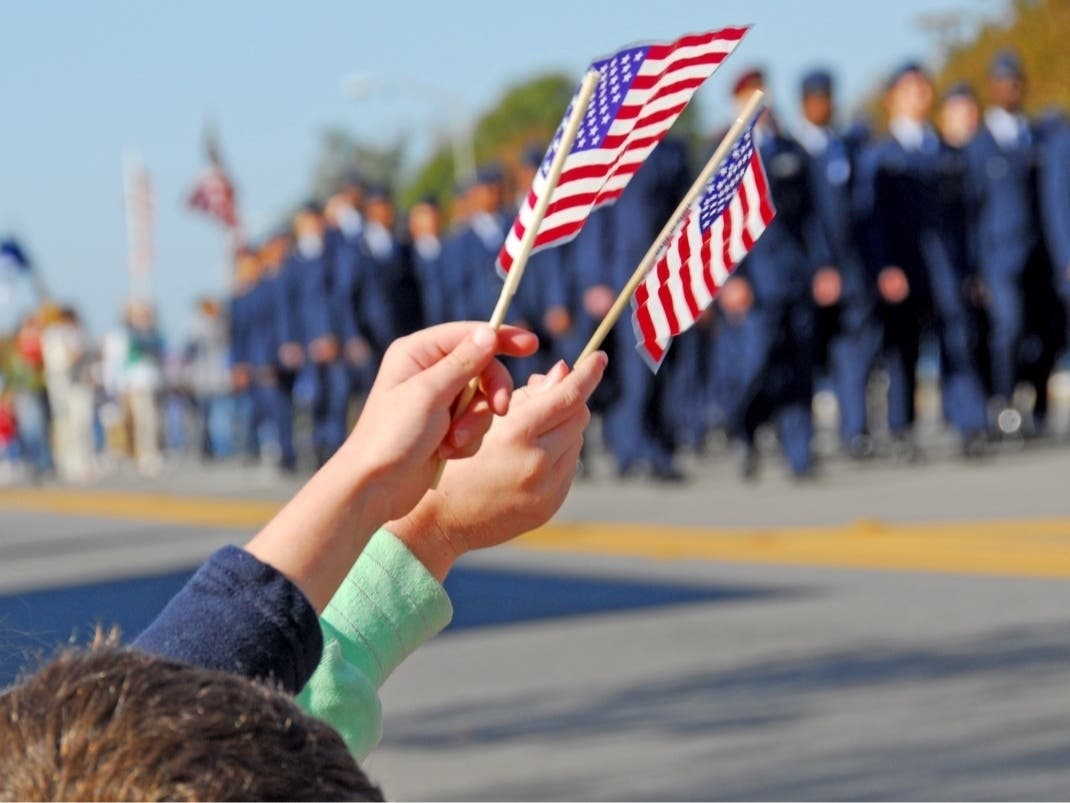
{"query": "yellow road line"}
(193, 511)
(1029, 547)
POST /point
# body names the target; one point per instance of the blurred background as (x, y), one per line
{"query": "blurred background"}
(820, 554)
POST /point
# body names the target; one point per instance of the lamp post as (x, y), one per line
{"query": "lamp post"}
(360, 86)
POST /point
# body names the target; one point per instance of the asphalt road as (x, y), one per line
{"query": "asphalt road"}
(890, 632)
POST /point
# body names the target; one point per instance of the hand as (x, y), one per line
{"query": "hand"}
(736, 297)
(239, 377)
(893, 285)
(516, 481)
(390, 458)
(598, 299)
(827, 286)
(557, 321)
(291, 355)
(358, 352)
(323, 349)
(405, 428)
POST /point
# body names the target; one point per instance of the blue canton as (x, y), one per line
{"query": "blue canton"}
(618, 71)
(722, 187)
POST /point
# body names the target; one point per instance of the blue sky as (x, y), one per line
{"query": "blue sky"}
(81, 83)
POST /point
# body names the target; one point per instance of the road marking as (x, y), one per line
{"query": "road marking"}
(1024, 547)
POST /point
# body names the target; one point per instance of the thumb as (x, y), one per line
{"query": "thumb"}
(447, 377)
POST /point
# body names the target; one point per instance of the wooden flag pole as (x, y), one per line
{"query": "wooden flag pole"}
(712, 166)
(568, 137)
(527, 244)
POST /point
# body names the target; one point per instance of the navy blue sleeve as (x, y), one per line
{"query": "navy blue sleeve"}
(1055, 206)
(237, 614)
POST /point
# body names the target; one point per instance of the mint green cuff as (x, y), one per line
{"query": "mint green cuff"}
(388, 605)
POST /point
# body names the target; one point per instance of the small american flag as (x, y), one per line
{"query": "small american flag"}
(642, 92)
(705, 247)
(214, 192)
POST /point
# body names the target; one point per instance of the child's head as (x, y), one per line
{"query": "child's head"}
(115, 724)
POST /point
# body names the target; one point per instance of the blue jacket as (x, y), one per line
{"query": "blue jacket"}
(427, 262)
(781, 264)
(389, 305)
(238, 328)
(304, 293)
(237, 614)
(346, 281)
(1055, 204)
(1002, 203)
(262, 341)
(832, 171)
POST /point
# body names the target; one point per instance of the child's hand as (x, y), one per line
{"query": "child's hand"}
(406, 427)
(516, 481)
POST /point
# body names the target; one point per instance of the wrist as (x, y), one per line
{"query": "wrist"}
(423, 533)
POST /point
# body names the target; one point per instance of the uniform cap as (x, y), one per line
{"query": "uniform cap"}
(816, 82)
(1006, 64)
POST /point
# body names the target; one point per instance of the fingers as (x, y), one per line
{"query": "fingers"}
(466, 360)
(558, 402)
(566, 435)
(497, 385)
(467, 432)
(565, 466)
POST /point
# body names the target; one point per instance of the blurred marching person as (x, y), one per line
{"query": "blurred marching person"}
(473, 285)
(765, 340)
(66, 352)
(425, 236)
(24, 370)
(390, 305)
(1055, 207)
(542, 307)
(348, 271)
(639, 425)
(1005, 226)
(239, 331)
(960, 315)
(309, 330)
(142, 384)
(208, 377)
(848, 334)
(909, 247)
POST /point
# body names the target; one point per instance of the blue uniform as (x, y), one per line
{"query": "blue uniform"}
(1055, 207)
(1005, 235)
(308, 315)
(347, 278)
(764, 360)
(389, 306)
(638, 425)
(427, 262)
(475, 284)
(849, 335)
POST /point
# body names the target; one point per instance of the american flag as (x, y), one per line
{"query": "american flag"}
(213, 193)
(643, 90)
(712, 237)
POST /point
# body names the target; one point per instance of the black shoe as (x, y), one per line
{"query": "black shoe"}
(750, 465)
(669, 474)
(861, 447)
(975, 446)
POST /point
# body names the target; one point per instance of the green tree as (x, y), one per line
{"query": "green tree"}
(527, 113)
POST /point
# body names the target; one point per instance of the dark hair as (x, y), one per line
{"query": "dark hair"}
(109, 723)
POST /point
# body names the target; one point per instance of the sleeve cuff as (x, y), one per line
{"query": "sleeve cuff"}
(388, 605)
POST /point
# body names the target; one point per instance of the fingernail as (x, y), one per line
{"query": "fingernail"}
(553, 376)
(603, 358)
(485, 337)
(461, 436)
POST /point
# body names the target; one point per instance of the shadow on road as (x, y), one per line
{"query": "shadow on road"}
(33, 624)
(929, 749)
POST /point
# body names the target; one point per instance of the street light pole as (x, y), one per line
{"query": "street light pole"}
(462, 140)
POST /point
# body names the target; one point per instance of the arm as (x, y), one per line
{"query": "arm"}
(290, 570)
(515, 483)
